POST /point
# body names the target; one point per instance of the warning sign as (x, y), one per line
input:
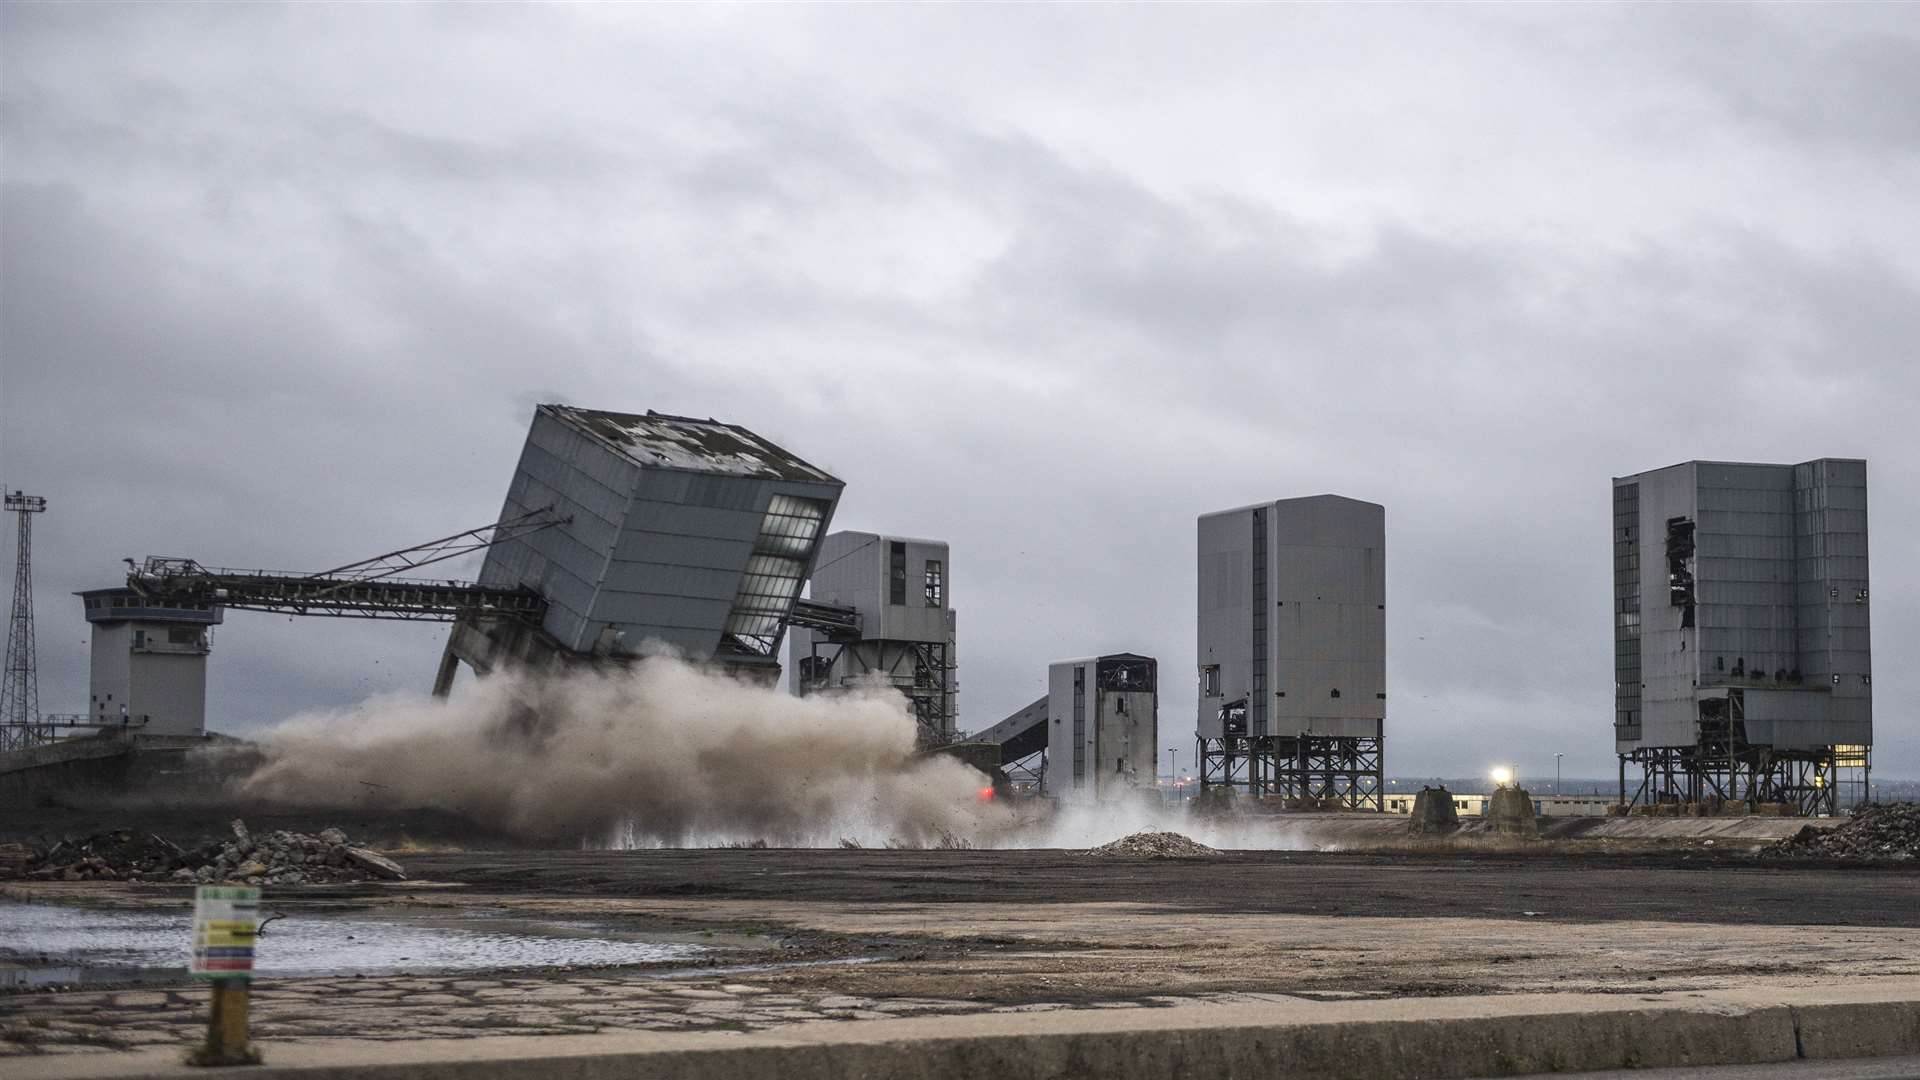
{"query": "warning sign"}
(225, 921)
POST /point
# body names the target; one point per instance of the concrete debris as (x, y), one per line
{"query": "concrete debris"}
(276, 858)
(378, 866)
(1154, 845)
(1880, 832)
(110, 856)
(17, 859)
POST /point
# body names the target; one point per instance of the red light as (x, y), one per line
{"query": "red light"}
(986, 794)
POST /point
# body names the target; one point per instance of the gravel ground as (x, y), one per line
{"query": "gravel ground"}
(974, 931)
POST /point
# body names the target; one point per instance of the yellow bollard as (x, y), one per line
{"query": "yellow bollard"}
(227, 1027)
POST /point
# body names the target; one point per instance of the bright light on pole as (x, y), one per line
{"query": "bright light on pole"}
(1556, 773)
(1502, 776)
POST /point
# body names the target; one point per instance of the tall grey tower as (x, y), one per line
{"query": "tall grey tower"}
(20, 691)
(1293, 649)
(1742, 667)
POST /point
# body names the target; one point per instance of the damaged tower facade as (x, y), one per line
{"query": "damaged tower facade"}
(1742, 667)
(900, 592)
(1103, 726)
(1292, 650)
(676, 534)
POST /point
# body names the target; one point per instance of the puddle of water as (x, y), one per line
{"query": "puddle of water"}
(47, 936)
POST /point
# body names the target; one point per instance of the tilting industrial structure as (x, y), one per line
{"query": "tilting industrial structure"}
(677, 535)
(1292, 650)
(1742, 664)
(900, 592)
(621, 532)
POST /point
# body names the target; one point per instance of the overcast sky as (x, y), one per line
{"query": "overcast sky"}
(280, 286)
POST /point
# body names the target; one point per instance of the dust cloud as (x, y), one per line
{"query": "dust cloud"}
(662, 753)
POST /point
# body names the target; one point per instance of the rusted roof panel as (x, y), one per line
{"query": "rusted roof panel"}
(657, 440)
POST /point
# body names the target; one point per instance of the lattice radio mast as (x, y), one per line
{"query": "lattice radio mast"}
(20, 693)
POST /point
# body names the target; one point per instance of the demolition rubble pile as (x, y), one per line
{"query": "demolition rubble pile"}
(276, 858)
(1882, 832)
(1154, 845)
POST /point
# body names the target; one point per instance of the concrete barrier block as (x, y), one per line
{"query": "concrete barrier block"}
(1865, 1029)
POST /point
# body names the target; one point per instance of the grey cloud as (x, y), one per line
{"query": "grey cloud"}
(307, 323)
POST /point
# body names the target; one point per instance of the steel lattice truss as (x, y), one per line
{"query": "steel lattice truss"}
(1328, 768)
(369, 589)
(20, 691)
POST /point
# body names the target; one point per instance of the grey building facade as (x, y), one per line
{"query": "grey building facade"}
(1742, 660)
(900, 590)
(148, 667)
(680, 534)
(1292, 649)
(1103, 727)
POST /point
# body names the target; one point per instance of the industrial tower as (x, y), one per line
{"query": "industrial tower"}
(20, 693)
(1292, 649)
(1743, 670)
(900, 592)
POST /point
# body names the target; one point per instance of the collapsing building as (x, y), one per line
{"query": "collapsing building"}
(900, 593)
(1292, 649)
(674, 534)
(1742, 668)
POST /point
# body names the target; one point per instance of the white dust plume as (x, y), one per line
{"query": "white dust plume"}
(661, 753)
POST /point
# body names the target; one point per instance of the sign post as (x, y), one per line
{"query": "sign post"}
(225, 922)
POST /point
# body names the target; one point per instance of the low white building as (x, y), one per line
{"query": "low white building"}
(148, 668)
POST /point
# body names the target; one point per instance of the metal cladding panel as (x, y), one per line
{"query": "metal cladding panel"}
(579, 479)
(856, 570)
(1059, 780)
(1323, 617)
(696, 552)
(1802, 720)
(648, 590)
(109, 672)
(668, 579)
(918, 619)
(1329, 592)
(169, 692)
(1225, 623)
(1667, 650)
(852, 572)
(1834, 631)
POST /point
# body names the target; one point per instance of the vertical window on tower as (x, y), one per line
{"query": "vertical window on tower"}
(1079, 726)
(936, 583)
(897, 574)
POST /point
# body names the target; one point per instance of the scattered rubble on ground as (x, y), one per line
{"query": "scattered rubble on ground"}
(1154, 845)
(276, 858)
(1879, 832)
